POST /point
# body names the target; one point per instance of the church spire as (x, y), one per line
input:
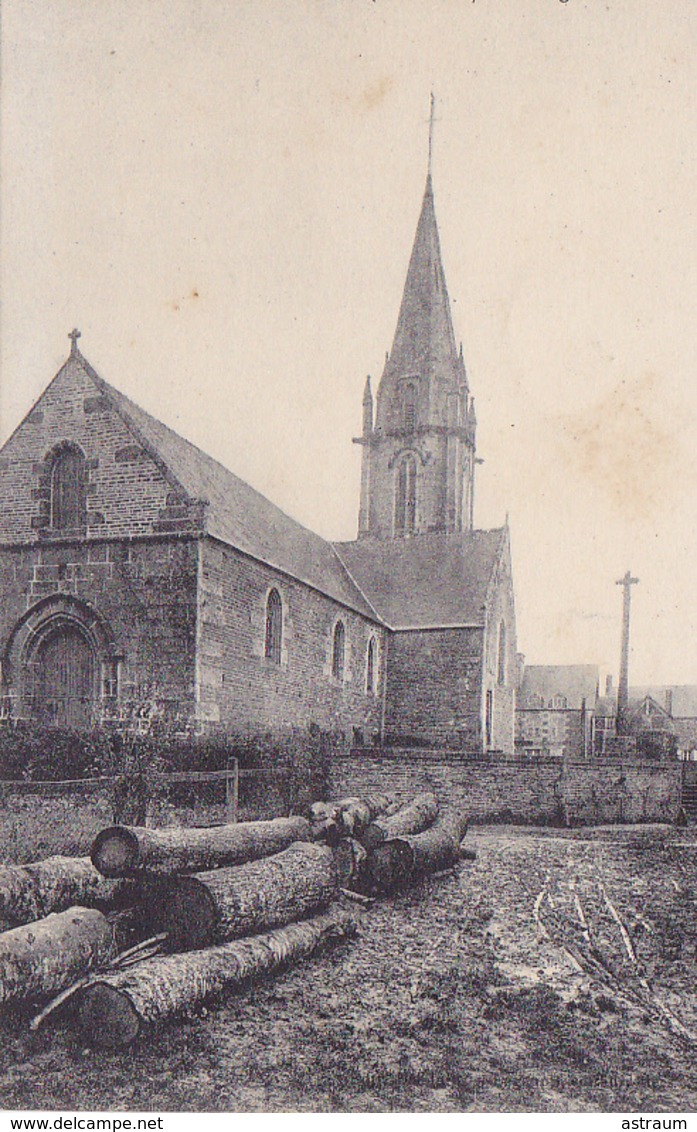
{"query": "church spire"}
(418, 459)
(424, 339)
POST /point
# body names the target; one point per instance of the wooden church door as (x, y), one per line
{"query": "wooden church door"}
(65, 670)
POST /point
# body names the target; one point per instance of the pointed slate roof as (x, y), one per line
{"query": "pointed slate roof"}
(429, 581)
(424, 340)
(236, 513)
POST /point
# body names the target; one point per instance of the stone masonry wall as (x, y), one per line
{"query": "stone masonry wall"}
(245, 690)
(144, 592)
(538, 792)
(434, 686)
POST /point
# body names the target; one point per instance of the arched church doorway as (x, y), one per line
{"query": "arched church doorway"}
(65, 673)
(60, 665)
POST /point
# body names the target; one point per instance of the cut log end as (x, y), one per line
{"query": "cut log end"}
(116, 852)
(390, 866)
(184, 909)
(107, 1017)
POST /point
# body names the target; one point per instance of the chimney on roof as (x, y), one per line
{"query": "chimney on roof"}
(669, 701)
(608, 685)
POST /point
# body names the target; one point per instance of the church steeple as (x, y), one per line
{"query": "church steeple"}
(419, 458)
(424, 340)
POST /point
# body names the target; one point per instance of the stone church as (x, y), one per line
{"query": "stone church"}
(140, 580)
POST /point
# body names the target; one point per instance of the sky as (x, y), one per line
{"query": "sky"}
(223, 198)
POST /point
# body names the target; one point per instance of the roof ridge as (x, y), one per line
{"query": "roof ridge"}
(116, 397)
(300, 552)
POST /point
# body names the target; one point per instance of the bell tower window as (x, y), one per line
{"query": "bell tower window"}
(405, 497)
(409, 408)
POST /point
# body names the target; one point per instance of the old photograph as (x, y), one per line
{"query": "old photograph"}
(348, 639)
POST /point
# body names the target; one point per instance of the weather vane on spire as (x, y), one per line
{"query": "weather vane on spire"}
(431, 123)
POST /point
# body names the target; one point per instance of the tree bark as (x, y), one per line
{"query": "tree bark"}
(401, 860)
(197, 911)
(421, 812)
(114, 1010)
(41, 958)
(124, 850)
(350, 857)
(30, 892)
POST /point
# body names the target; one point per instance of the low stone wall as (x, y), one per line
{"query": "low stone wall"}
(542, 791)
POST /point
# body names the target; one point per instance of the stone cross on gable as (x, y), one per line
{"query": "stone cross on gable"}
(73, 336)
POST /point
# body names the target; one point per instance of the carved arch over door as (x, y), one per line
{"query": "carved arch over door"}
(60, 664)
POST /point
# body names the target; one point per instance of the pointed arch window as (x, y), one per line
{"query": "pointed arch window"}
(339, 651)
(274, 627)
(501, 675)
(409, 408)
(405, 497)
(68, 494)
(370, 668)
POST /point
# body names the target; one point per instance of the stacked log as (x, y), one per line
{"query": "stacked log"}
(421, 812)
(349, 817)
(123, 851)
(30, 892)
(42, 958)
(205, 894)
(402, 860)
(116, 1008)
(206, 908)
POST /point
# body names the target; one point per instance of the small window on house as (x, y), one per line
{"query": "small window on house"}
(274, 627)
(370, 668)
(501, 667)
(405, 497)
(68, 507)
(338, 651)
(559, 702)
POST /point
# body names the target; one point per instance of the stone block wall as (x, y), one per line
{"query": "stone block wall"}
(143, 593)
(242, 688)
(434, 686)
(535, 792)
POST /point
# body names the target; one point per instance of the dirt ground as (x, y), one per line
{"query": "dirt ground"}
(507, 985)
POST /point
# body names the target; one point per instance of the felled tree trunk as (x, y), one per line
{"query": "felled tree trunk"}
(197, 911)
(402, 859)
(123, 850)
(114, 1010)
(421, 812)
(41, 958)
(30, 892)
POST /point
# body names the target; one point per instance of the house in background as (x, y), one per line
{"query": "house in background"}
(140, 579)
(679, 703)
(555, 709)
